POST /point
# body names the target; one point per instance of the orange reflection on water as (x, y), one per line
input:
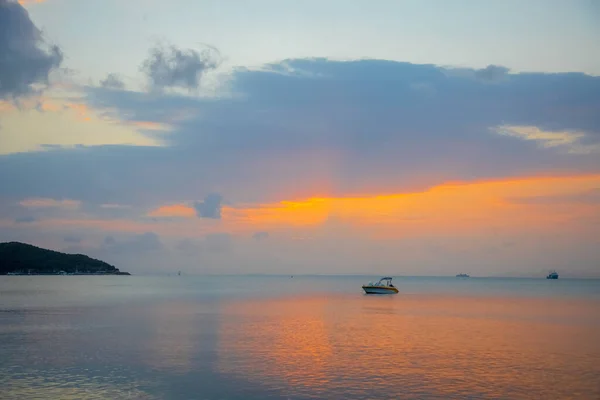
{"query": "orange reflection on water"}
(419, 346)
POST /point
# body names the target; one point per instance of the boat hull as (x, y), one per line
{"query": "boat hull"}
(380, 290)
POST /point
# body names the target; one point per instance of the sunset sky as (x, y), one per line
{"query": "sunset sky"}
(333, 137)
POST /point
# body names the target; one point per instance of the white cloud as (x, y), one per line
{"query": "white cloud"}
(572, 141)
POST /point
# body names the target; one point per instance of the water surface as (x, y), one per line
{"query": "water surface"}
(264, 337)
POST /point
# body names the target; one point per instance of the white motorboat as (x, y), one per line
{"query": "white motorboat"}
(383, 286)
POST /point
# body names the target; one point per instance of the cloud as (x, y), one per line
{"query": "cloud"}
(68, 122)
(26, 58)
(260, 236)
(172, 67)
(115, 206)
(188, 247)
(174, 210)
(81, 110)
(572, 141)
(145, 242)
(218, 242)
(213, 244)
(210, 207)
(47, 105)
(149, 126)
(462, 220)
(25, 220)
(50, 203)
(492, 73)
(73, 239)
(587, 197)
(112, 81)
(316, 127)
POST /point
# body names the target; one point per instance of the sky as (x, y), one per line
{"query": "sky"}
(287, 137)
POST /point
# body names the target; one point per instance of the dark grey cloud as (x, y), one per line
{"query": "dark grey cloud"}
(25, 58)
(172, 67)
(355, 126)
(112, 81)
(25, 219)
(210, 207)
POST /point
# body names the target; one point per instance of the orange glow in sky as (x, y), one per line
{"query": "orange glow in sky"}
(174, 210)
(25, 2)
(519, 204)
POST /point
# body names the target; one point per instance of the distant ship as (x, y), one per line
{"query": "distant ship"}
(462, 276)
(552, 275)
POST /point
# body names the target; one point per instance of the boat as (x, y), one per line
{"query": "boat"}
(383, 286)
(552, 275)
(463, 276)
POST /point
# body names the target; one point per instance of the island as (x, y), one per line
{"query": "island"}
(24, 259)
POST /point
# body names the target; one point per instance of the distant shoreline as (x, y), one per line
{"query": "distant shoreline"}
(65, 274)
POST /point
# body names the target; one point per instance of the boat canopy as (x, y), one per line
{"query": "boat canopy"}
(386, 280)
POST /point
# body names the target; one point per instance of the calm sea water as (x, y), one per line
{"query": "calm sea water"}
(102, 337)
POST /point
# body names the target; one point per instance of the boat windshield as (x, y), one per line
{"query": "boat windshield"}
(387, 281)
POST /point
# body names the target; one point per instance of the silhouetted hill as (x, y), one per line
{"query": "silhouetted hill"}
(25, 258)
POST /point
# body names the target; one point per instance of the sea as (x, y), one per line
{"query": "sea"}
(300, 337)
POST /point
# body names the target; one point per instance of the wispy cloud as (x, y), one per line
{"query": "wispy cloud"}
(115, 206)
(150, 126)
(50, 203)
(571, 141)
